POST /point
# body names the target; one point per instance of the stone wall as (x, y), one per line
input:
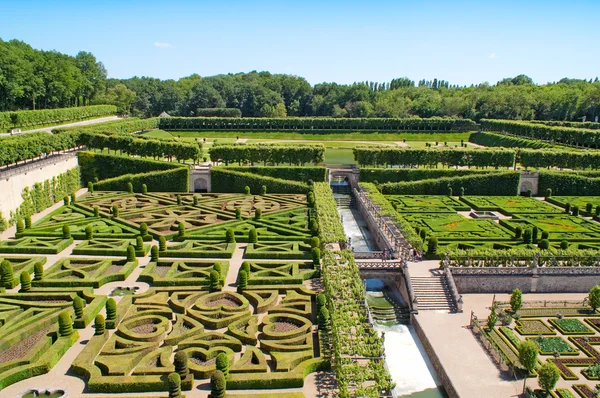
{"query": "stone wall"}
(13, 181)
(529, 280)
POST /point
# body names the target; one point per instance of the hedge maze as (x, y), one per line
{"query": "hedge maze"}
(265, 324)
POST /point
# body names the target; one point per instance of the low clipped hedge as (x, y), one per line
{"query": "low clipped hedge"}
(569, 184)
(177, 180)
(294, 173)
(500, 184)
(293, 379)
(368, 174)
(227, 181)
(25, 249)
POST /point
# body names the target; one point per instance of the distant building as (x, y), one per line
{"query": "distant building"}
(164, 114)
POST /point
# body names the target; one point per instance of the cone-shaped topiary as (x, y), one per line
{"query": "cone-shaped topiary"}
(548, 192)
(66, 200)
(179, 202)
(96, 211)
(222, 364)
(99, 324)
(252, 236)
(73, 198)
(174, 382)
(229, 235)
(534, 234)
(218, 385)
(316, 255)
(115, 211)
(7, 275)
(78, 306)
(139, 243)
(423, 235)
(20, 225)
(598, 211)
(242, 280)
(181, 364)
(215, 281)
(65, 324)
(25, 281)
(323, 318)
(257, 214)
(449, 191)
(181, 230)
(247, 190)
(66, 232)
(111, 309)
(144, 189)
(321, 300)
(432, 244)
(154, 253)
(314, 227)
(27, 222)
(129, 187)
(518, 232)
(589, 208)
(90, 187)
(38, 271)
(263, 190)
(575, 211)
(545, 235)
(527, 236)
(131, 253)
(238, 213)
(315, 242)
(462, 191)
(89, 232)
(195, 200)
(219, 268)
(245, 267)
(567, 207)
(162, 244)
(143, 229)
(310, 198)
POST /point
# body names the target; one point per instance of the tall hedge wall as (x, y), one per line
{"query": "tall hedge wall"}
(24, 119)
(121, 126)
(500, 183)
(296, 154)
(317, 174)
(176, 180)
(225, 180)
(561, 159)
(97, 166)
(28, 146)
(563, 123)
(399, 175)
(493, 139)
(311, 125)
(565, 183)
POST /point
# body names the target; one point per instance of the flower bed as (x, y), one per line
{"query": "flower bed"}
(551, 345)
(570, 326)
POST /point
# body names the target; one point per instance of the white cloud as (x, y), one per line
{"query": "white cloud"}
(492, 56)
(162, 44)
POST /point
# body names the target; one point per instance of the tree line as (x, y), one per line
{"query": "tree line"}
(24, 119)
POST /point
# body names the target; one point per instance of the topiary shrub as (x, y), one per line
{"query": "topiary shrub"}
(516, 300)
(181, 364)
(575, 211)
(263, 190)
(89, 232)
(65, 324)
(96, 211)
(7, 274)
(598, 211)
(115, 211)
(449, 191)
(316, 256)
(162, 244)
(179, 201)
(321, 300)
(27, 222)
(534, 234)
(564, 245)
(222, 364)
(219, 268)
(310, 198)
(257, 214)
(144, 189)
(139, 243)
(143, 229)
(66, 232)
(99, 324)
(130, 253)
(527, 236)
(218, 385)
(544, 244)
(242, 280)
(66, 200)
(174, 383)
(25, 281)
(73, 198)
(315, 242)
(432, 245)
(314, 227)
(252, 236)
(323, 318)
(529, 193)
(38, 271)
(245, 267)
(129, 187)
(215, 281)
(548, 192)
(518, 232)
(20, 226)
(154, 253)
(238, 213)
(181, 230)
(247, 190)
(111, 309)
(567, 207)
(195, 200)
(462, 191)
(229, 235)
(545, 234)
(90, 187)
(589, 208)
(78, 306)
(423, 235)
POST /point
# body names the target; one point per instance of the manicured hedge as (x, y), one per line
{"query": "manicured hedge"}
(122, 126)
(560, 159)
(502, 184)
(218, 112)
(176, 180)
(311, 125)
(262, 153)
(328, 219)
(565, 135)
(225, 180)
(21, 119)
(399, 175)
(373, 156)
(567, 184)
(562, 123)
(28, 146)
(493, 139)
(317, 174)
(101, 166)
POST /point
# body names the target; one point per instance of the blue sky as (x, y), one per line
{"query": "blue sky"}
(463, 42)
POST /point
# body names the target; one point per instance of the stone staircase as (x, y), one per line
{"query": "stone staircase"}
(432, 293)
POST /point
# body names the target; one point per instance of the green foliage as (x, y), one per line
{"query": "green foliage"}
(215, 281)
(242, 280)
(594, 297)
(66, 200)
(238, 213)
(96, 211)
(544, 244)
(534, 234)
(28, 222)
(294, 173)
(323, 318)
(518, 232)
(252, 236)
(20, 226)
(263, 190)
(492, 139)
(245, 267)
(65, 324)
(218, 112)
(129, 187)
(99, 324)
(257, 214)
(315, 242)
(316, 256)
(144, 189)
(66, 230)
(31, 119)
(564, 245)
(527, 236)
(498, 183)
(218, 385)
(548, 376)
(174, 383)
(38, 270)
(407, 174)
(181, 364)
(162, 243)
(115, 211)
(432, 244)
(7, 275)
(25, 281)
(225, 180)
(181, 230)
(296, 154)
(111, 309)
(130, 253)
(528, 353)
(73, 198)
(569, 183)
(330, 227)
(154, 256)
(78, 305)
(89, 232)
(219, 268)
(516, 300)
(176, 180)
(222, 364)
(492, 318)
(139, 243)
(229, 235)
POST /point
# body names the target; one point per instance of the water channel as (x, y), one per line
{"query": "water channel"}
(406, 358)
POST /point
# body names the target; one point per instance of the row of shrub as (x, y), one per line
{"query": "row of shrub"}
(565, 135)
(492, 139)
(369, 156)
(225, 180)
(21, 119)
(316, 174)
(330, 228)
(399, 175)
(316, 124)
(273, 154)
(498, 183)
(121, 126)
(218, 112)
(28, 146)
(176, 180)
(568, 183)
(561, 159)
(564, 123)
